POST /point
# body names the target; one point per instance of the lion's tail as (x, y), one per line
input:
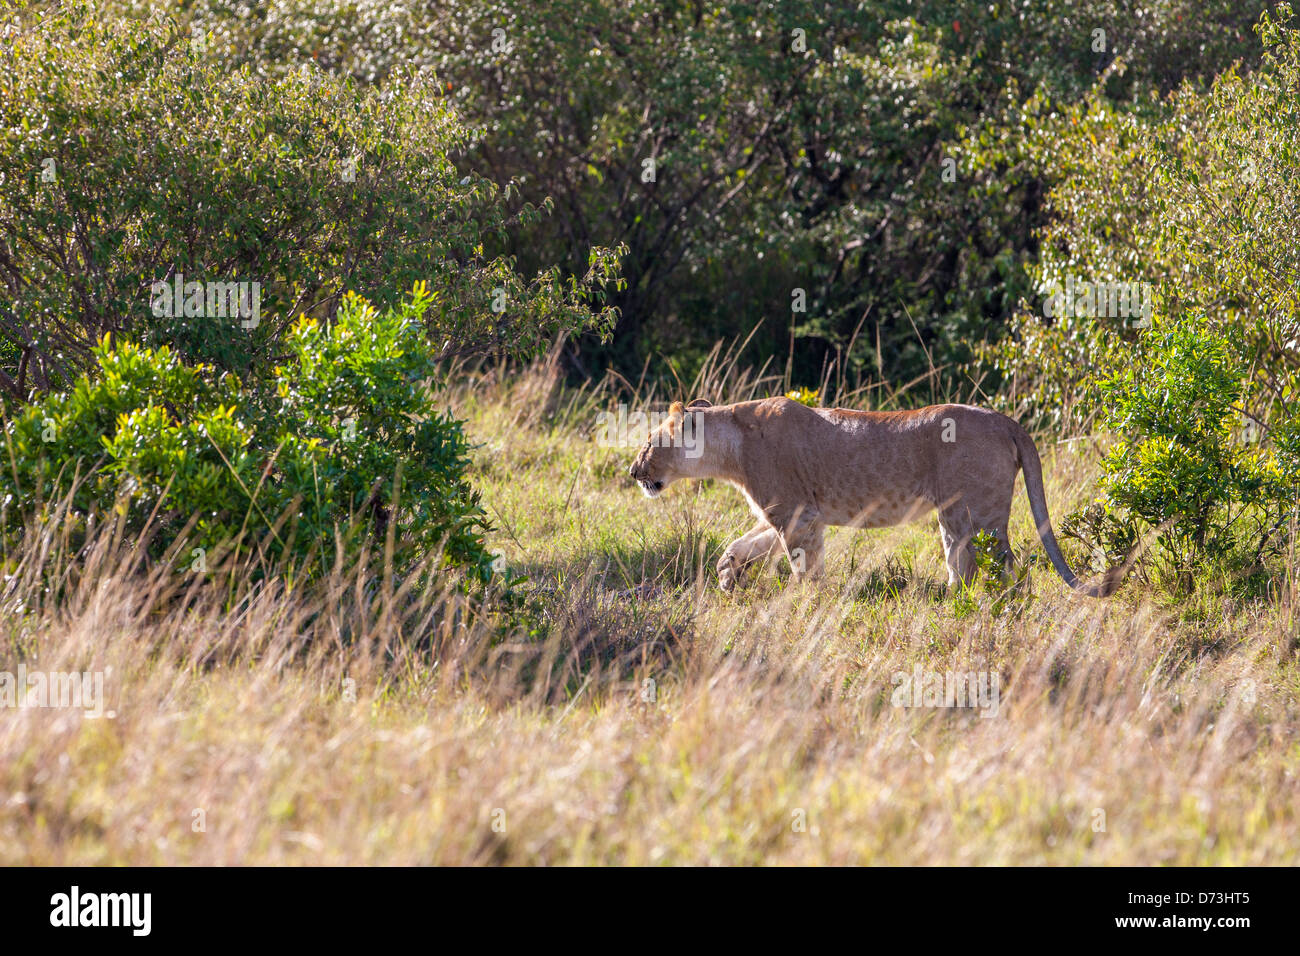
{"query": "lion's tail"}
(1033, 471)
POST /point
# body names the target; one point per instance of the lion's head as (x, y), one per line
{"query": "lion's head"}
(665, 455)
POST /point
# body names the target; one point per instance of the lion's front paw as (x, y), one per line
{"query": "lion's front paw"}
(726, 572)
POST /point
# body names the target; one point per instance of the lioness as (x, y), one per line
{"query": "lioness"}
(802, 469)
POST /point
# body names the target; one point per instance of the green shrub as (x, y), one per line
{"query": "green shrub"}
(343, 444)
(1196, 198)
(1188, 463)
(129, 155)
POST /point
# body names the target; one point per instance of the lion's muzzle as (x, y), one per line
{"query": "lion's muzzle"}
(641, 475)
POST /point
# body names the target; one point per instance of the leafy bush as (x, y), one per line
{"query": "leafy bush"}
(1188, 461)
(344, 445)
(129, 156)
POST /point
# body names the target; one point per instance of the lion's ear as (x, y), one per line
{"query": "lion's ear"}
(700, 403)
(676, 412)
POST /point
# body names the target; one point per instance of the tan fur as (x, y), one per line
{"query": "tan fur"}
(803, 469)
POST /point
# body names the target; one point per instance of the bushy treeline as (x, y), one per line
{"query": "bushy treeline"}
(889, 185)
(818, 167)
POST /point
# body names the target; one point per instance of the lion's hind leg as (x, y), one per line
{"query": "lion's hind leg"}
(955, 531)
(957, 528)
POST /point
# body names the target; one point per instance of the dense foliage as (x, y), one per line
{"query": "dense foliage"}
(342, 447)
(800, 149)
(130, 155)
